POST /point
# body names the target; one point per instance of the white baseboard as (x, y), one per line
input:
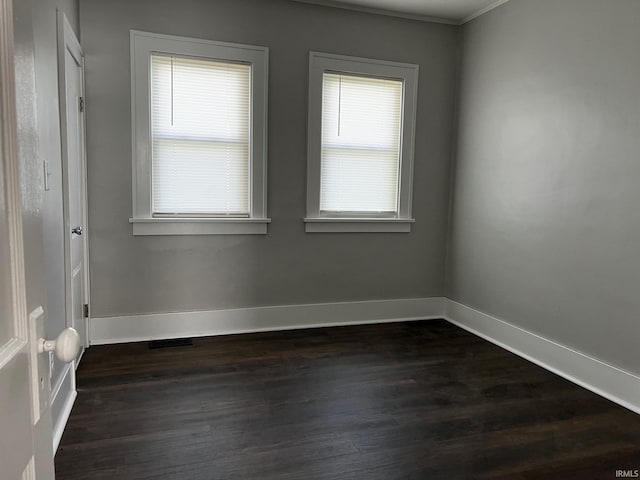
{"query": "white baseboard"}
(63, 396)
(606, 380)
(136, 328)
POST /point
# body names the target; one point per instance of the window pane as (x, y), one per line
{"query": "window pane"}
(357, 180)
(361, 135)
(200, 113)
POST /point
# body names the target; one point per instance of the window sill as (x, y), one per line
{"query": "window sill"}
(200, 226)
(358, 225)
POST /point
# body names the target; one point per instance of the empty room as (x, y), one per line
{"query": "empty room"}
(319, 240)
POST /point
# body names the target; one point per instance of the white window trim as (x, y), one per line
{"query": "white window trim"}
(142, 45)
(408, 73)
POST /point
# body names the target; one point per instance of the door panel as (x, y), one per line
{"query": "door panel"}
(16, 446)
(77, 293)
(25, 439)
(6, 330)
(75, 192)
(15, 439)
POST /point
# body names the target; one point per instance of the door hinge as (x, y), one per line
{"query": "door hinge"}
(81, 104)
(85, 310)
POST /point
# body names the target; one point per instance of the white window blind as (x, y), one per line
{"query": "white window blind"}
(200, 117)
(361, 143)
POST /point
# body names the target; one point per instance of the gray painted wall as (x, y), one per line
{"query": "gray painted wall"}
(546, 222)
(133, 275)
(49, 149)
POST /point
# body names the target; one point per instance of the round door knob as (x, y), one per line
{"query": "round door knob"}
(67, 345)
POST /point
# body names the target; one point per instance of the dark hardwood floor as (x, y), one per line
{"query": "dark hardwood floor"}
(421, 400)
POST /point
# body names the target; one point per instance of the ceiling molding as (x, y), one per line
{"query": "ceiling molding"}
(409, 16)
(381, 11)
(482, 11)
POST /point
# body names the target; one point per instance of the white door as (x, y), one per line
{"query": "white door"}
(23, 437)
(75, 179)
(16, 442)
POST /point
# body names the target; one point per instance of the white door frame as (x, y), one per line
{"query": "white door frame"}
(67, 41)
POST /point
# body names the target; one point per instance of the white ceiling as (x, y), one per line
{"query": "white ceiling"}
(452, 11)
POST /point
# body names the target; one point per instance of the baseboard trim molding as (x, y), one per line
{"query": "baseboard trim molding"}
(595, 375)
(62, 400)
(601, 378)
(137, 328)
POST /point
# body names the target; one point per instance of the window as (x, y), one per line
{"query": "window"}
(360, 146)
(361, 129)
(199, 133)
